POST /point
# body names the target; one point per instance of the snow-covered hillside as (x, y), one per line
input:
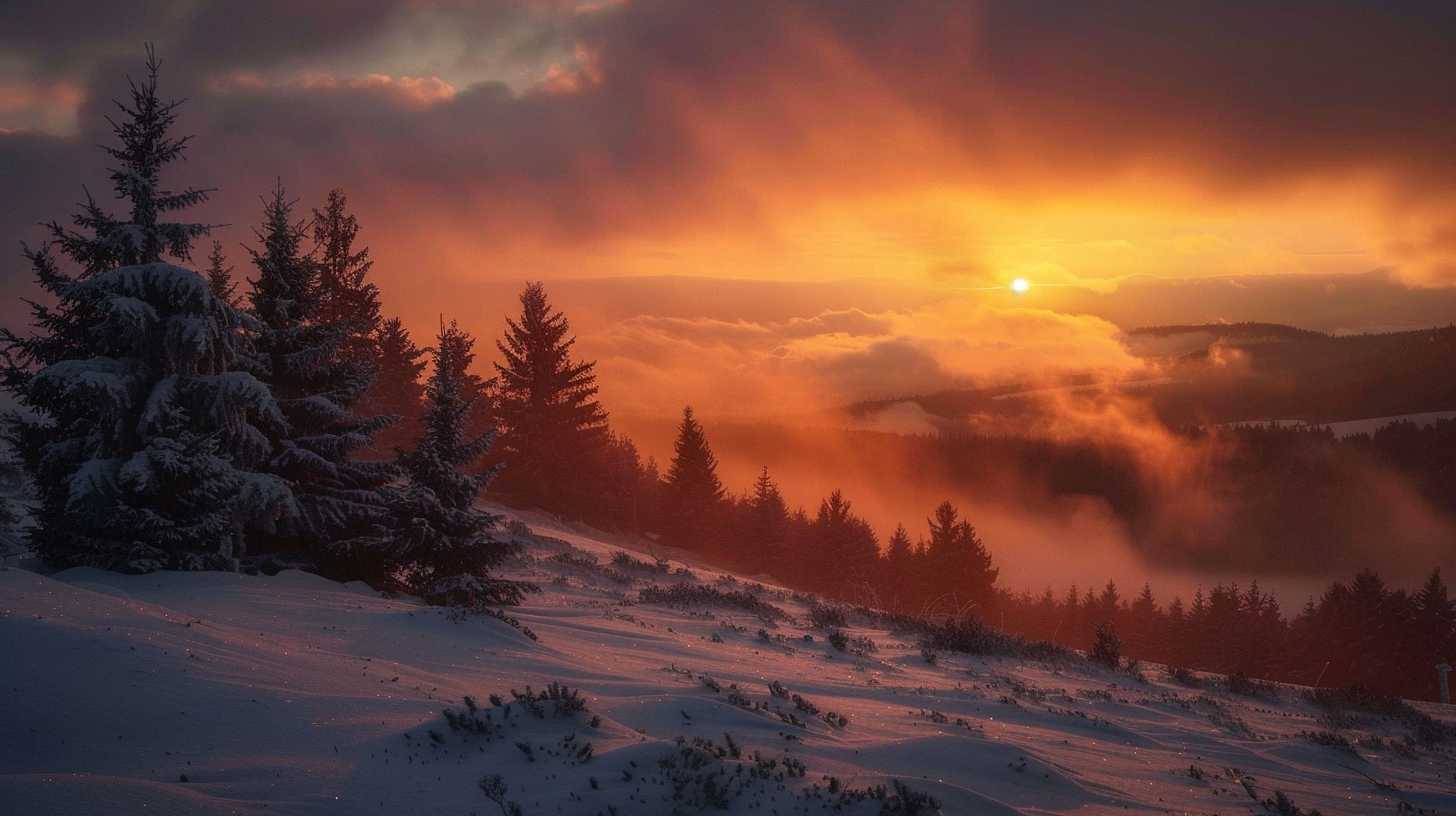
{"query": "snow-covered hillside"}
(217, 693)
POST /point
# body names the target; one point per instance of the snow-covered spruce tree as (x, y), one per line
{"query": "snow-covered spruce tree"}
(445, 547)
(552, 426)
(341, 502)
(220, 276)
(142, 425)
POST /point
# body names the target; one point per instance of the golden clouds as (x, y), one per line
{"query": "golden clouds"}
(837, 357)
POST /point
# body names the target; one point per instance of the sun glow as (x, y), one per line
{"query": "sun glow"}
(1020, 286)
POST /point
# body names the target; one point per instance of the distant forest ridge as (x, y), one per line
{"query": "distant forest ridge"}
(1220, 373)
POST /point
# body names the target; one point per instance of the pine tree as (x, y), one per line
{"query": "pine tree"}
(551, 423)
(845, 548)
(445, 546)
(396, 389)
(768, 527)
(347, 300)
(1435, 613)
(1107, 602)
(220, 277)
(145, 425)
(341, 501)
(621, 495)
(899, 569)
(692, 494)
(960, 565)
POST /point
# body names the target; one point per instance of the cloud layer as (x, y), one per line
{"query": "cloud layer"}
(947, 145)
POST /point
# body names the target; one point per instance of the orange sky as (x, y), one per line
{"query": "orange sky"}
(910, 159)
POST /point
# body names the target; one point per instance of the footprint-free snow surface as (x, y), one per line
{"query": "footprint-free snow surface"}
(211, 693)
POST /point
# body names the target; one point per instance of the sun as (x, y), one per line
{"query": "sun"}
(1020, 286)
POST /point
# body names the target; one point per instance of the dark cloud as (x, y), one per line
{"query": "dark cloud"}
(657, 118)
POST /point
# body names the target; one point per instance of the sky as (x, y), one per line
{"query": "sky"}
(770, 204)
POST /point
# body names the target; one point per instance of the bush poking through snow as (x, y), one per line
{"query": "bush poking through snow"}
(563, 701)
(1282, 805)
(686, 596)
(471, 721)
(586, 562)
(907, 802)
(970, 636)
(822, 616)
(1243, 685)
(1183, 677)
(511, 621)
(1425, 729)
(494, 788)
(556, 700)
(623, 561)
(1107, 648)
(1330, 739)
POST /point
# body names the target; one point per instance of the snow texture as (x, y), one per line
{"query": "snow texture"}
(213, 693)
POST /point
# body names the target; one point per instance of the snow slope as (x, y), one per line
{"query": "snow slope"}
(210, 693)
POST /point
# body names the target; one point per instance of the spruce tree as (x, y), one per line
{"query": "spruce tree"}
(347, 300)
(845, 549)
(768, 526)
(551, 423)
(621, 494)
(899, 569)
(341, 501)
(220, 277)
(396, 390)
(144, 427)
(446, 547)
(958, 561)
(692, 493)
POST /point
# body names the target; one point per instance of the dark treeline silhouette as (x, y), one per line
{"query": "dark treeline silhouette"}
(1357, 633)
(1360, 632)
(1225, 498)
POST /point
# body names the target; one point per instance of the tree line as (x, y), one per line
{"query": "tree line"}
(1360, 632)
